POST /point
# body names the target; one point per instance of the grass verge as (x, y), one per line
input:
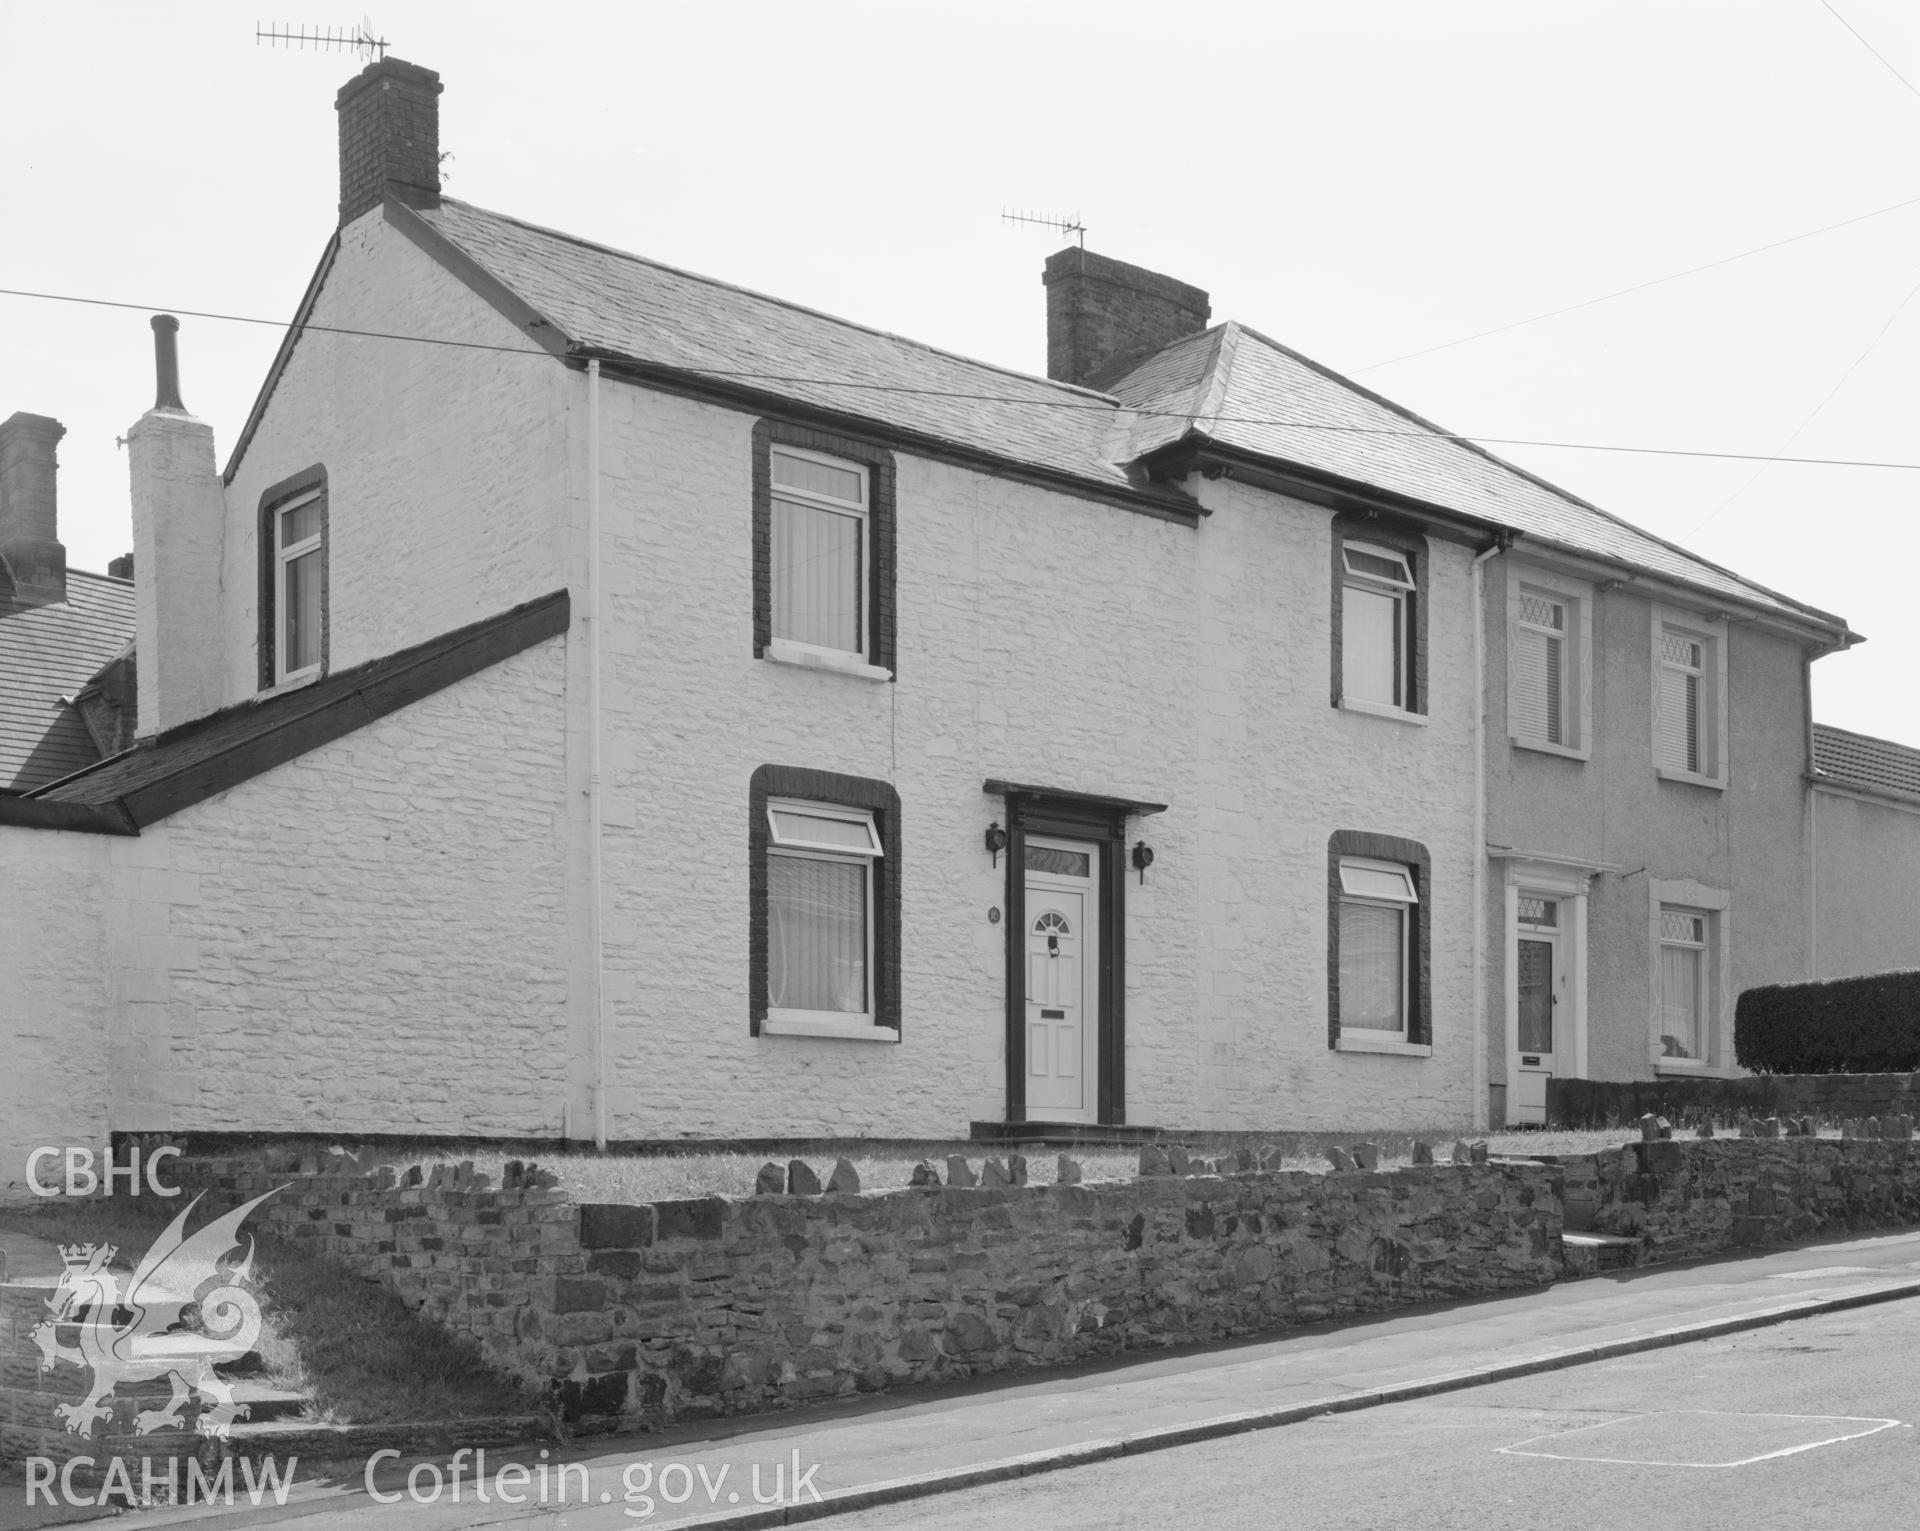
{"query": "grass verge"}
(348, 1345)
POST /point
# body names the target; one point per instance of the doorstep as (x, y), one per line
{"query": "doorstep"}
(1082, 1133)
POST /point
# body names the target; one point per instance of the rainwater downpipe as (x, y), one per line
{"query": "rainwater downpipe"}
(596, 973)
(1481, 1085)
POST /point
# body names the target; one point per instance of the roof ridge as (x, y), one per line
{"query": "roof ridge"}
(787, 303)
(105, 579)
(1210, 397)
(1531, 477)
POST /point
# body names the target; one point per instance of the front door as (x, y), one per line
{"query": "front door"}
(1062, 981)
(1541, 978)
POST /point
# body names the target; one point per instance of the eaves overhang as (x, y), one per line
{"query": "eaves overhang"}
(1197, 453)
(1143, 496)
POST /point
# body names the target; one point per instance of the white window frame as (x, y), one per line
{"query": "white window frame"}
(1711, 634)
(1575, 597)
(791, 650)
(1685, 895)
(1371, 1038)
(1398, 589)
(846, 1025)
(283, 557)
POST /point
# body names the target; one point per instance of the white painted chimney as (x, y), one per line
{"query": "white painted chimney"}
(179, 517)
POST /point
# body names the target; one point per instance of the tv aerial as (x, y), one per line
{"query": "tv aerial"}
(1069, 225)
(358, 39)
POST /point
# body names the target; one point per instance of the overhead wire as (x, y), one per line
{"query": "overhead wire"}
(1812, 415)
(1414, 432)
(1871, 49)
(1621, 292)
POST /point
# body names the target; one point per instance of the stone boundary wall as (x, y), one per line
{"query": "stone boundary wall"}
(1599, 1103)
(685, 1310)
(1686, 1198)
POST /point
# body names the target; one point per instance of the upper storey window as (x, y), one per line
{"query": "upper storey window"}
(823, 551)
(293, 579)
(820, 550)
(1689, 698)
(1376, 626)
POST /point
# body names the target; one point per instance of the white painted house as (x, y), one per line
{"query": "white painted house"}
(637, 708)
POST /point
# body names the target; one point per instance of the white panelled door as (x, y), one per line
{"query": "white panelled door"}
(1062, 1010)
(1541, 979)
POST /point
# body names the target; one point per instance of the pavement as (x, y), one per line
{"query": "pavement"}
(889, 1448)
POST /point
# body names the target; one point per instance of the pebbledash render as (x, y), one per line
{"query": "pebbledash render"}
(609, 721)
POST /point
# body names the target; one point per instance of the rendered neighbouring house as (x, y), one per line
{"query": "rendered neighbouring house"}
(603, 721)
(1648, 817)
(1865, 810)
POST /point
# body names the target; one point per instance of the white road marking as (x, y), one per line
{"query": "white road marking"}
(1872, 1427)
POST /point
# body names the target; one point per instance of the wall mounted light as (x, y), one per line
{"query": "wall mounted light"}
(1142, 858)
(996, 840)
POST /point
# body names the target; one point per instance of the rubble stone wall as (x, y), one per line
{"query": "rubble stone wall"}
(1687, 1198)
(689, 1309)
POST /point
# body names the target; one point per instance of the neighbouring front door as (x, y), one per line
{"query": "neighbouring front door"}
(1541, 978)
(1062, 1001)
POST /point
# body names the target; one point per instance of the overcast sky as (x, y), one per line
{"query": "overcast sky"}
(1358, 180)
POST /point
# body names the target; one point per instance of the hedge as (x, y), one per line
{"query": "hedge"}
(1866, 1025)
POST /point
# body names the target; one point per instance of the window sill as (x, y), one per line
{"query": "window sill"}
(1351, 1042)
(1681, 1066)
(1692, 778)
(1380, 710)
(296, 683)
(1565, 752)
(843, 1029)
(785, 651)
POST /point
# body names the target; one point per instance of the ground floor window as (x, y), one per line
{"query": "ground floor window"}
(820, 908)
(1377, 899)
(1683, 982)
(1377, 959)
(825, 905)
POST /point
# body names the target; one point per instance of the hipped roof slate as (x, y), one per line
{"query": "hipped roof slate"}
(51, 651)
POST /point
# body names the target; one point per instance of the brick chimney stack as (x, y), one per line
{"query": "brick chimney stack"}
(29, 511)
(1105, 317)
(389, 137)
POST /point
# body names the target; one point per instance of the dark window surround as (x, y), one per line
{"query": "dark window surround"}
(1407, 538)
(880, 530)
(270, 502)
(1412, 855)
(1071, 816)
(848, 792)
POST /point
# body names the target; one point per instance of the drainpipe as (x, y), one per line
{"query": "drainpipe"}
(1813, 821)
(1502, 541)
(596, 974)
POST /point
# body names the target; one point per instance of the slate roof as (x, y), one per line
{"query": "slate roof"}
(605, 300)
(187, 764)
(1860, 760)
(47, 652)
(1230, 385)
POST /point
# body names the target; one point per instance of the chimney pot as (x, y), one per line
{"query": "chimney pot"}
(389, 137)
(166, 363)
(1105, 317)
(30, 546)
